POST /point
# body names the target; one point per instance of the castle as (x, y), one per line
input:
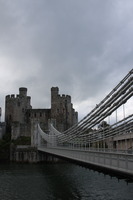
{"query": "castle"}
(20, 116)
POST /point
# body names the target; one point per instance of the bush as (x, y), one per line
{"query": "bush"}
(22, 140)
(4, 150)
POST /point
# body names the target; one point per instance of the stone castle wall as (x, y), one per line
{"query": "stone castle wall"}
(19, 115)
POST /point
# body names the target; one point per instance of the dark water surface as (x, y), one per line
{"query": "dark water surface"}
(60, 181)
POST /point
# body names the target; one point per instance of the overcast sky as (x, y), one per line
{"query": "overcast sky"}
(85, 47)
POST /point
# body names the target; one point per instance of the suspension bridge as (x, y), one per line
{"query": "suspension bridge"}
(94, 141)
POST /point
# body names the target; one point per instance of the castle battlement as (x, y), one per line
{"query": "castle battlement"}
(13, 96)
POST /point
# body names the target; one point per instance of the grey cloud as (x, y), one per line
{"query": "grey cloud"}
(84, 48)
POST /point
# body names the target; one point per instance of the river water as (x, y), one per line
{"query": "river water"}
(62, 181)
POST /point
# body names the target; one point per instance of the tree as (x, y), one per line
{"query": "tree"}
(103, 125)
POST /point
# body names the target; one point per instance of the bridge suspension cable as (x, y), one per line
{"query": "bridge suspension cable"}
(83, 131)
(117, 97)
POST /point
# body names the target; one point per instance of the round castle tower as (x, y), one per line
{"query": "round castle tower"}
(15, 108)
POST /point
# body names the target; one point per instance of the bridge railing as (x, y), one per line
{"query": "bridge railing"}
(117, 161)
(110, 139)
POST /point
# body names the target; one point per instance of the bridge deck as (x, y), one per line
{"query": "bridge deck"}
(120, 162)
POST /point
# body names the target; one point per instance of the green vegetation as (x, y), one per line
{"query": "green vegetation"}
(5, 143)
(5, 147)
(22, 140)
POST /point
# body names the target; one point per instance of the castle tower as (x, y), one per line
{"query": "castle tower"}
(54, 95)
(62, 110)
(22, 92)
(15, 109)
